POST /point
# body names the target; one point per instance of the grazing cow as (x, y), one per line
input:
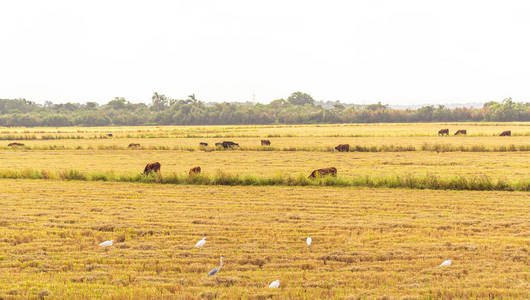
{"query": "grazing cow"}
(218, 144)
(443, 131)
(461, 131)
(506, 133)
(133, 145)
(195, 171)
(228, 144)
(322, 172)
(152, 167)
(15, 144)
(203, 144)
(265, 142)
(109, 134)
(343, 148)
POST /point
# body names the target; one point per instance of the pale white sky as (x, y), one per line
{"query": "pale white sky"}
(397, 52)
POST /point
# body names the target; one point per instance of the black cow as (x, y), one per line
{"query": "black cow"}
(343, 148)
(229, 144)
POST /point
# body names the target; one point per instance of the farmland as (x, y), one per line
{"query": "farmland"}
(367, 242)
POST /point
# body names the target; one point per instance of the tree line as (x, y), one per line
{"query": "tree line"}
(298, 108)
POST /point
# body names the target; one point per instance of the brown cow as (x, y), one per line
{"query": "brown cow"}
(323, 172)
(15, 144)
(343, 148)
(506, 133)
(443, 131)
(265, 142)
(195, 171)
(461, 131)
(152, 167)
(133, 145)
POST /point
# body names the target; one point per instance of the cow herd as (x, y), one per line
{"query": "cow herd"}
(339, 148)
(331, 171)
(445, 131)
(154, 167)
(230, 144)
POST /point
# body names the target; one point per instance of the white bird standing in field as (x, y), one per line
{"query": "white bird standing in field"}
(446, 263)
(275, 284)
(308, 241)
(200, 243)
(106, 243)
(216, 269)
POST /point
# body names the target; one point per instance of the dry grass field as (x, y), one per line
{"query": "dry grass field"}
(514, 165)
(318, 130)
(307, 142)
(367, 243)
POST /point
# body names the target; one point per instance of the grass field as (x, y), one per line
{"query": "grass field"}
(488, 143)
(496, 165)
(367, 243)
(318, 130)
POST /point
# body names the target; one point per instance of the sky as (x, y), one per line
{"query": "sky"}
(396, 52)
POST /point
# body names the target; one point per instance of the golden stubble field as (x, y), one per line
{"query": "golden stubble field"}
(505, 165)
(316, 130)
(367, 243)
(178, 149)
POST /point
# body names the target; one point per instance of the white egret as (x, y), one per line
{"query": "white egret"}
(274, 284)
(216, 269)
(106, 243)
(446, 263)
(200, 243)
(308, 241)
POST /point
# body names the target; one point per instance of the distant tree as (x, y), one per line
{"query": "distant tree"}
(159, 102)
(56, 120)
(338, 106)
(192, 99)
(377, 106)
(277, 103)
(425, 113)
(117, 103)
(299, 108)
(91, 105)
(299, 98)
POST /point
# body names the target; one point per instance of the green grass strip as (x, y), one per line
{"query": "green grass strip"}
(477, 183)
